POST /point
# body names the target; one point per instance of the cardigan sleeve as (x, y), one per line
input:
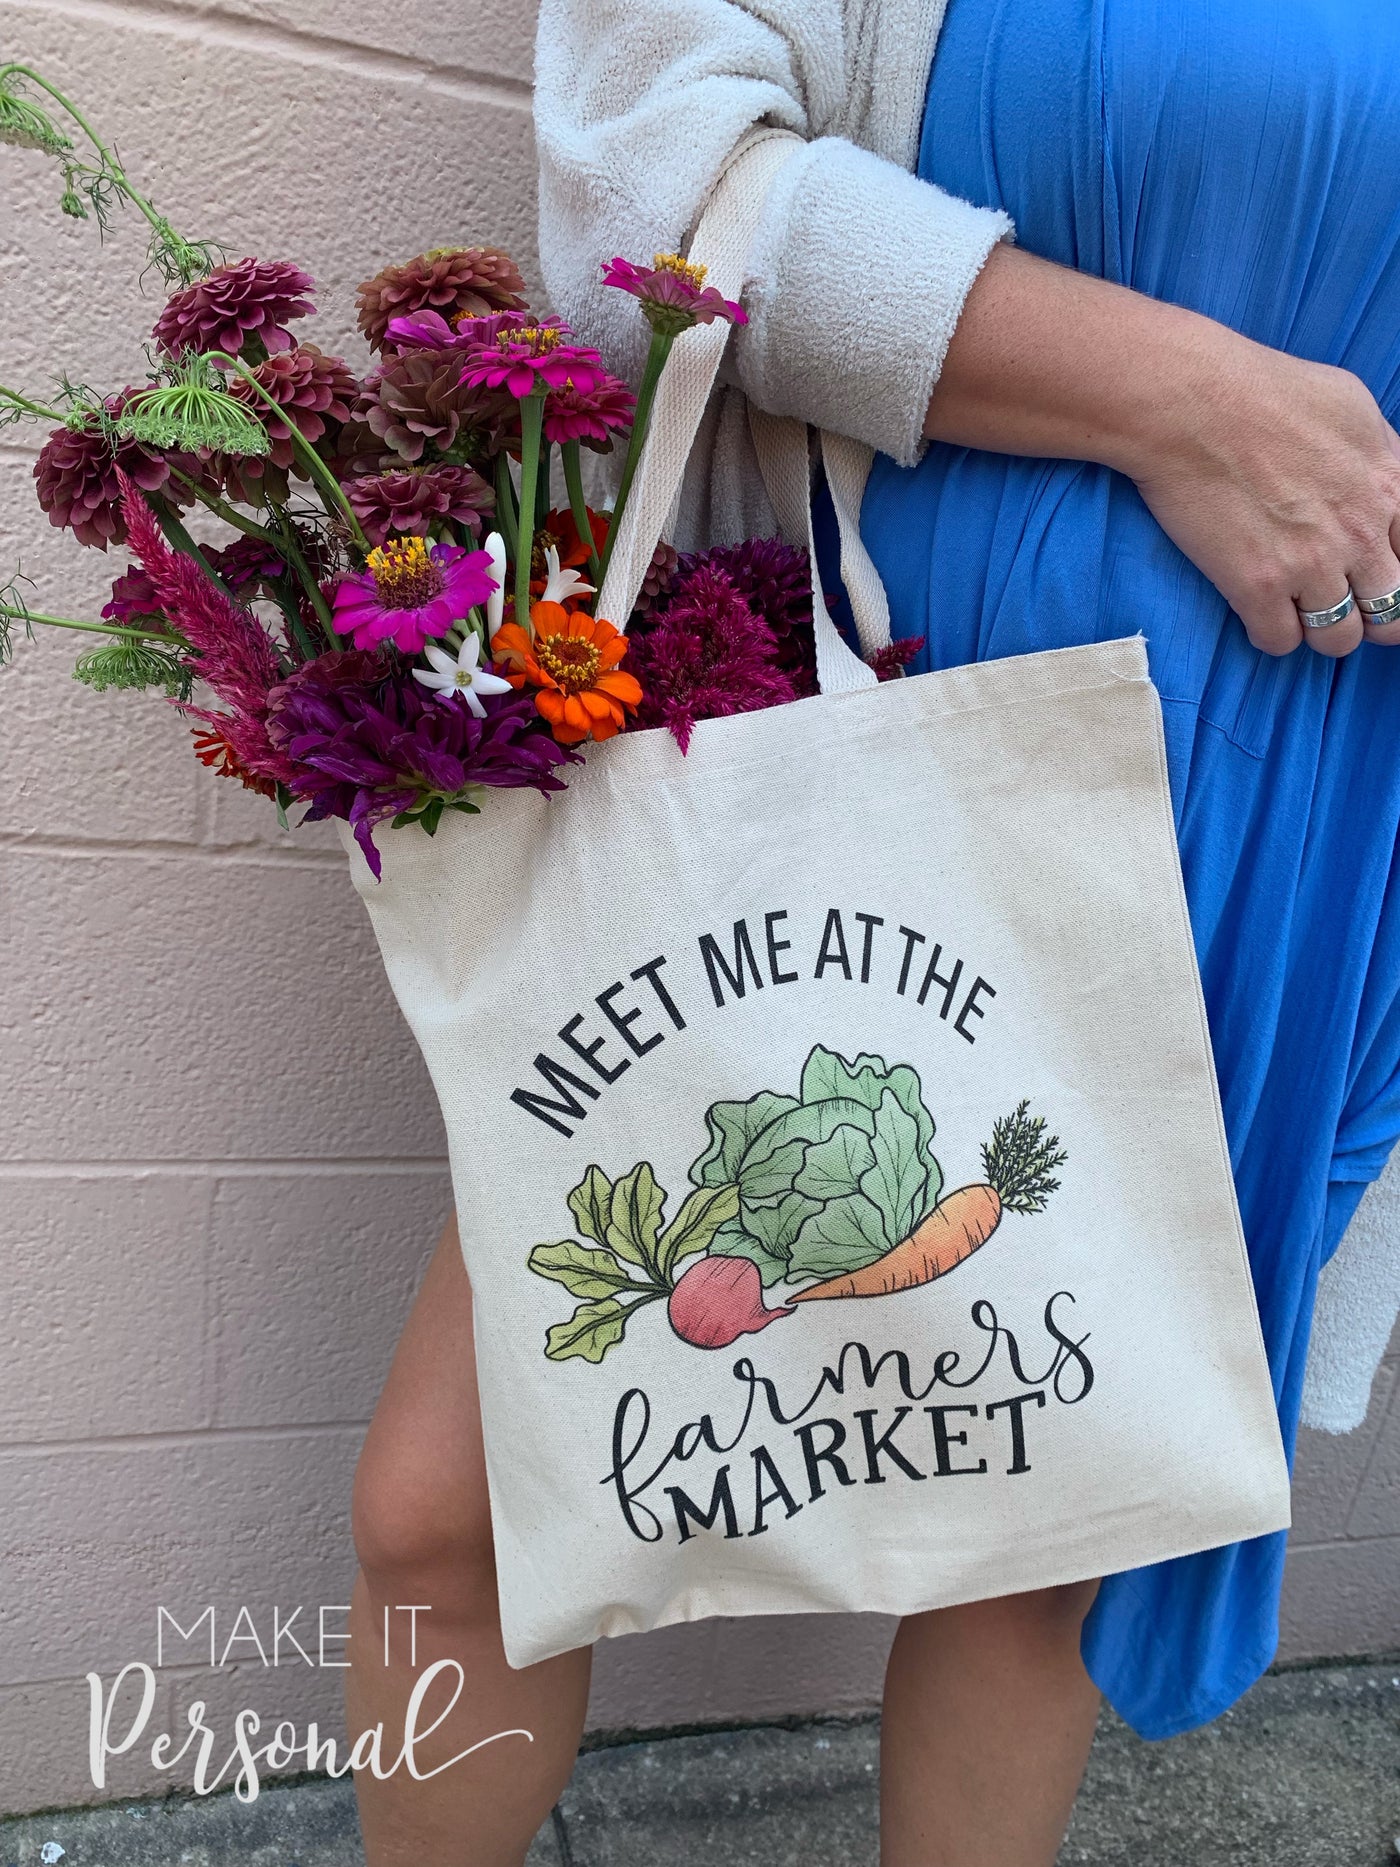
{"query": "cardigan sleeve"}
(859, 270)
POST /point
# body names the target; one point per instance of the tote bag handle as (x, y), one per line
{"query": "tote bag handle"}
(721, 244)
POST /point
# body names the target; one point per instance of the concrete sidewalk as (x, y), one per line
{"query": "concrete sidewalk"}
(1304, 1773)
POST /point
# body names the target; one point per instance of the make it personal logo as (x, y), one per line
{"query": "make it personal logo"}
(122, 1714)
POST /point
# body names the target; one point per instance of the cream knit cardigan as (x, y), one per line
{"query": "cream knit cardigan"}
(857, 278)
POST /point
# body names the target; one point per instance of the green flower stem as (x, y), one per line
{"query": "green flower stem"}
(542, 494)
(296, 628)
(226, 512)
(657, 355)
(111, 168)
(578, 505)
(505, 504)
(531, 424)
(14, 399)
(92, 628)
(297, 558)
(327, 484)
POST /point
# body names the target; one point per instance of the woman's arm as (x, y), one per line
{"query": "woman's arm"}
(1280, 479)
(858, 271)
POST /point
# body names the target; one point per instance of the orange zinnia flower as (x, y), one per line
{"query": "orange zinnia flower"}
(573, 662)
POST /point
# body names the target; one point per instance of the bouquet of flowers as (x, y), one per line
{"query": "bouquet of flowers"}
(392, 615)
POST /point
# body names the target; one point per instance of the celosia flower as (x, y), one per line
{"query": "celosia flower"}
(530, 357)
(474, 279)
(891, 661)
(451, 675)
(572, 662)
(251, 301)
(235, 657)
(78, 474)
(775, 580)
(410, 590)
(708, 656)
(593, 416)
(365, 746)
(672, 293)
(411, 500)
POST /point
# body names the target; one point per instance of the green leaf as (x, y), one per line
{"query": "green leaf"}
(845, 1235)
(589, 1333)
(702, 1214)
(584, 1270)
(591, 1204)
(634, 1218)
(776, 1223)
(897, 1179)
(778, 1154)
(732, 1241)
(826, 1074)
(734, 1126)
(833, 1167)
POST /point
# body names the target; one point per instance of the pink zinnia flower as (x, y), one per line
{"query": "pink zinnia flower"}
(592, 416)
(528, 357)
(411, 590)
(672, 293)
(429, 330)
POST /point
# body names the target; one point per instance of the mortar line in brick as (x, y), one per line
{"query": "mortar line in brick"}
(309, 1169)
(213, 27)
(1344, 1542)
(177, 1442)
(247, 856)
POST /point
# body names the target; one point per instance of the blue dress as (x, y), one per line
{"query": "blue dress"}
(1238, 157)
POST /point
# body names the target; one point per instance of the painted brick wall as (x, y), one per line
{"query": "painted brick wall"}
(220, 1165)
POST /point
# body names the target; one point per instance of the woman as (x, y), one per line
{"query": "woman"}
(1158, 411)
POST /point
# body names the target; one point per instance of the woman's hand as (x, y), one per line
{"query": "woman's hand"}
(1280, 479)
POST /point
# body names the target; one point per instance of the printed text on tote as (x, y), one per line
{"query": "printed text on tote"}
(758, 952)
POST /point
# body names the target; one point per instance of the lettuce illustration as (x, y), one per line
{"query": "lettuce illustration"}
(828, 1180)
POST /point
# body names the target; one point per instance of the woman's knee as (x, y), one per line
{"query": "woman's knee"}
(419, 1533)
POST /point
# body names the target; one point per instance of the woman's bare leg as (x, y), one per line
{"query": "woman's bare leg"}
(422, 1532)
(988, 1718)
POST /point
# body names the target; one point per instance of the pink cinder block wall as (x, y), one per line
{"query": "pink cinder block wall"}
(220, 1166)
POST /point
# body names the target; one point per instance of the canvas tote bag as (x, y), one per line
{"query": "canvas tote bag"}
(896, 963)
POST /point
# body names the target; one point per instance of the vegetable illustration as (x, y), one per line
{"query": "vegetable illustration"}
(827, 1180)
(632, 1260)
(1017, 1162)
(836, 1186)
(718, 1300)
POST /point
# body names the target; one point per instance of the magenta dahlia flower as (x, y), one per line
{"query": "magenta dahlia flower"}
(365, 745)
(133, 597)
(252, 300)
(411, 590)
(408, 502)
(78, 476)
(528, 357)
(592, 416)
(708, 656)
(672, 293)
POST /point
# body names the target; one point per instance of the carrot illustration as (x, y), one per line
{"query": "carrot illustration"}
(1017, 1161)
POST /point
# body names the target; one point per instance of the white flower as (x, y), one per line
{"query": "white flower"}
(459, 674)
(562, 584)
(495, 549)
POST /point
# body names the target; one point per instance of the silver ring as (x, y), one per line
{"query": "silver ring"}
(1328, 618)
(1378, 606)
